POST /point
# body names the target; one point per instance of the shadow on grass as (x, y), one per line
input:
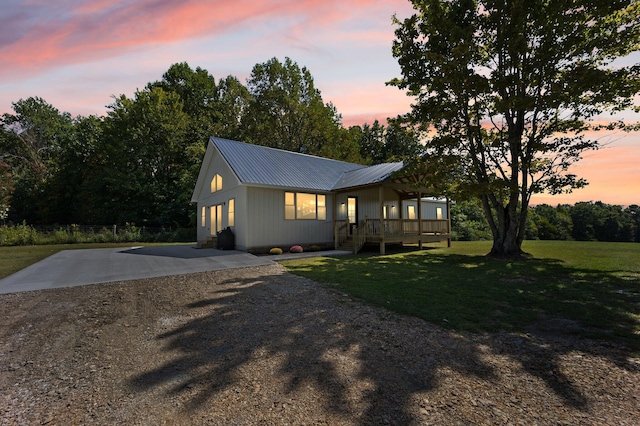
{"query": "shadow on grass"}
(257, 324)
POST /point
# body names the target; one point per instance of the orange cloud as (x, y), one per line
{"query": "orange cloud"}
(613, 175)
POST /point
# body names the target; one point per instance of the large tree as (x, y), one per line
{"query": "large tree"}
(286, 111)
(30, 143)
(506, 91)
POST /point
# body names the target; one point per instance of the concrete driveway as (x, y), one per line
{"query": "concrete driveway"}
(70, 268)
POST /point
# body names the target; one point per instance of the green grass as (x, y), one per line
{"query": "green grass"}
(588, 288)
(13, 259)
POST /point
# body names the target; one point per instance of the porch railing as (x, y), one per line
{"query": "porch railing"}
(359, 238)
(398, 227)
(341, 232)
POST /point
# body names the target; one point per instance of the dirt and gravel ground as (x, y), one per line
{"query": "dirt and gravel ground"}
(260, 346)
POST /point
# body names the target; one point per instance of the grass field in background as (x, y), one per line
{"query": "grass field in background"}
(588, 288)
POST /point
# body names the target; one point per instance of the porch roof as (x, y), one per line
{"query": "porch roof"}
(367, 175)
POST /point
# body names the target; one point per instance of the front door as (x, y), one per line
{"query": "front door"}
(352, 213)
(215, 219)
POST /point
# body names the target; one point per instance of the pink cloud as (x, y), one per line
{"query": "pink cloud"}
(50, 35)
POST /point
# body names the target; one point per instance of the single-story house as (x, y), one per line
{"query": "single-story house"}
(274, 198)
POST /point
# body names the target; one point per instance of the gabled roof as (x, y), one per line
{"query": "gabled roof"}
(259, 165)
(262, 166)
(367, 175)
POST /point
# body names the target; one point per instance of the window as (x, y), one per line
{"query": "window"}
(216, 218)
(300, 205)
(289, 205)
(438, 212)
(231, 213)
(216, 183)
(411, 212)
(203, 217)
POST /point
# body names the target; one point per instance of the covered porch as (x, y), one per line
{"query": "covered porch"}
(395, 215)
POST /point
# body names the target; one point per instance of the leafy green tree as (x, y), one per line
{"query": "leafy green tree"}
(143, 160)
(70, 197)
(468, 222)
(286, 110)
(505, 90)
(214, 109)
(633, 212)
(380, 144)
(6, 188)
(552, 223)
(31, 143)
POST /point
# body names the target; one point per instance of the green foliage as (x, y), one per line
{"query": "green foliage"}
(603, 222)
(18, 235)
(23, 234)
(594, 286)
(505, 92)
(468, 222)
(140, 163)
(380, 144)
(286, 111)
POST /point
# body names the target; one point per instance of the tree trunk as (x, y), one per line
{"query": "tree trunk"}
(507, 241)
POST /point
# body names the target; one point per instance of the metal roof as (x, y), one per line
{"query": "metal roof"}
(367, 175)
(260, 165)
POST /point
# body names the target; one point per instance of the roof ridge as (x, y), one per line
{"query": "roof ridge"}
(284, 151)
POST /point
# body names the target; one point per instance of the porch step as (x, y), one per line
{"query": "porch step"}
(212, 242)
(346, 245)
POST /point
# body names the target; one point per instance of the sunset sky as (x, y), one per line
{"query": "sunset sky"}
(77, 54)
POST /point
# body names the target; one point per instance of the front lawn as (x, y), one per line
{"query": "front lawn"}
(586, 288)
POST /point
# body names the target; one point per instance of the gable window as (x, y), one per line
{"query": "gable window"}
(305, 206)
(231, 213)
(216, 183)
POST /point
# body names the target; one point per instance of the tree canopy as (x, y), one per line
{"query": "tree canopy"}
(506, 91)
(140, 162)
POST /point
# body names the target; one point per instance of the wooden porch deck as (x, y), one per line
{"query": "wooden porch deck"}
(393, 231)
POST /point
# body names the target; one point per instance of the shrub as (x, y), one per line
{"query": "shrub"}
(314, 247)
(275, 250)
(295, 249)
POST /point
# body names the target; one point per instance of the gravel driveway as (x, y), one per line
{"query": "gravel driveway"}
(261, 346)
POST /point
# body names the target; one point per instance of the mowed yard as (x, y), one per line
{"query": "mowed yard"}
(591, 289)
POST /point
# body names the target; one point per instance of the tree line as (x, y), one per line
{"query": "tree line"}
(138, 164)
(583, 221)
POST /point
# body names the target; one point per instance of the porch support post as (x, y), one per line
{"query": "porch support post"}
(419, 220)
(382, 230)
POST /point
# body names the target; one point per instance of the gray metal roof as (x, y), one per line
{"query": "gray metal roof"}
(259, 165)
(367, 175)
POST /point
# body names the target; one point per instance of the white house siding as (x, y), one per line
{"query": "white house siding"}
(429, 208)
(230, 189)
(267, 226)
(369, 203)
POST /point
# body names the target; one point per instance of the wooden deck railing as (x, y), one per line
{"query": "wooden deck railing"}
(398, 227)
(340, 232)
(359, 238)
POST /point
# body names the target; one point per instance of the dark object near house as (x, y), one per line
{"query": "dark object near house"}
(226, 240)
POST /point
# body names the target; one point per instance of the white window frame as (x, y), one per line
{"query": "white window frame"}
(293, 206)
(216, 183)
